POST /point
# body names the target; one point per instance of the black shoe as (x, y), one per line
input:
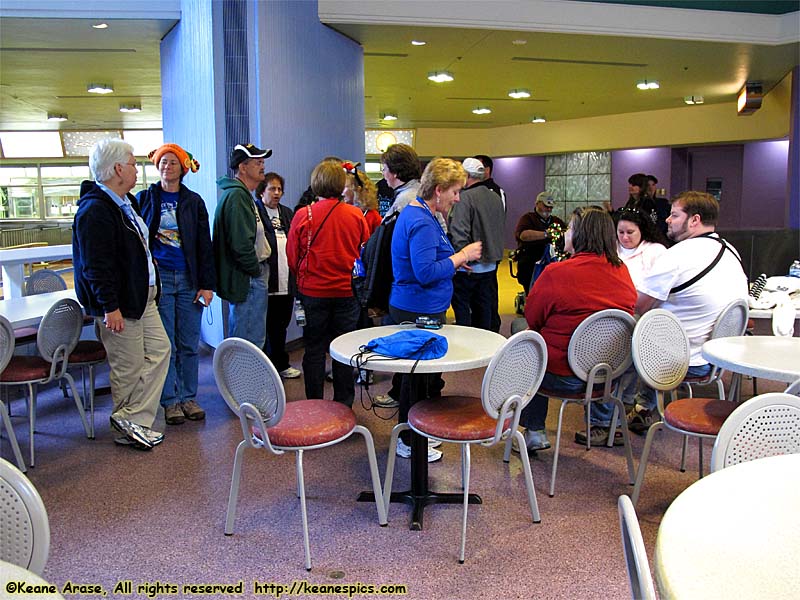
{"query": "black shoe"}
(639, 420)
(599, 437)
(132, 431)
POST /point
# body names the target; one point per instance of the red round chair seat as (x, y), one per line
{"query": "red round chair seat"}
(25, 368)
(87, 351)
(698, 415)
(312, 422)
(597, 392)
(453, 418)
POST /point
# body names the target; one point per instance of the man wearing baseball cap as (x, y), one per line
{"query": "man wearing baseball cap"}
(241, 250)
(532, 237)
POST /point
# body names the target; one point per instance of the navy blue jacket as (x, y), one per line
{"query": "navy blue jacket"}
(193, 229)
(110, 262)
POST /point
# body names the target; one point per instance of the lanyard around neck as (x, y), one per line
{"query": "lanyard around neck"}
(442, 234)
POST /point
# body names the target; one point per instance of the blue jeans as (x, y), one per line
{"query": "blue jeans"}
(181, 316)
(647, 398)
(326, 319)
(248, 319)
(534, 415)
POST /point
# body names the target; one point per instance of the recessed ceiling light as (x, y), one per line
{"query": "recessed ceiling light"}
(100, 26)
(389, 115)
(647, 85)
(440, 76)
(538, 120)
(481, 110)
(519, 42)
(693, 99)
(56, 117)
(130, 108)
(519, 93)
(418, 42)
(99, 88)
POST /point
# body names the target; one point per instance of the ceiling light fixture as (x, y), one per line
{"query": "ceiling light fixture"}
(440, 76)
(56, 117)
(389, 115)
(693, 99)
(481, 110)
(519, 93)
(418, 42)
(130, 108)
(519, 42)
(647, 85)
(749, 100)
(100, 88)
(100, 26)
(538, 120)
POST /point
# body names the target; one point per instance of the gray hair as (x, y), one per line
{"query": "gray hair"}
(106, 154)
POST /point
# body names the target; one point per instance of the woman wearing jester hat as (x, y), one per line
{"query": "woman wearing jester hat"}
(181, 241)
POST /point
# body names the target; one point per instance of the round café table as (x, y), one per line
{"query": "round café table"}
(467, 348)
(762, 356)
(14, 575)
(734, 534)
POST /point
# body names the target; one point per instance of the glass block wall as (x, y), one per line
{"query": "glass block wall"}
(577, 179)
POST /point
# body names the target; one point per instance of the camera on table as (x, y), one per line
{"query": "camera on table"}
(428, 323)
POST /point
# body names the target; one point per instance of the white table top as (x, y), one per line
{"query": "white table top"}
(765, 356)
(11, 574)
(467, 348)
(734, 534)
(13, 260)
(29, 310)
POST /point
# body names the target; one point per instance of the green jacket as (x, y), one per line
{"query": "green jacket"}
(234, 240)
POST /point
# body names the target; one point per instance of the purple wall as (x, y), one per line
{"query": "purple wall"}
(764, 177)
(522, 178)
(793, 177)
(650, 161)
(722, 162)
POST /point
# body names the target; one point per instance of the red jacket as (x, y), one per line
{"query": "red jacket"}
(568, 292)
(325, 270)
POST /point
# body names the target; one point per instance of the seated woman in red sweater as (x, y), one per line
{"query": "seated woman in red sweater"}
(324, 240)
(593, 279)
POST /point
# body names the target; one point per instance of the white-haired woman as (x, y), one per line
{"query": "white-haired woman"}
(117, 283)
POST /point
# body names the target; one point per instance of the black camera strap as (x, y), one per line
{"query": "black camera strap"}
(707, 270)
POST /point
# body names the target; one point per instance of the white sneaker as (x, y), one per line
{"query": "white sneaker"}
(384, 401)
(404, 451)
(434, 443)
(290, 373)
(534, 440)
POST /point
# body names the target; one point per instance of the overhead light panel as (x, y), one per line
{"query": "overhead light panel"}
(538, 120)
(100, 26)
(56, 117)
(100, 88)
(519, 42)
(418, 42)
(130, 108)
(750, 97)
(440, 76)
(481, 110)
(519, 93)
(389, 115)
(693, 99)
(647, 85)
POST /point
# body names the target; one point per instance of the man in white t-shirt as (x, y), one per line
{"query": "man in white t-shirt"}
(681, 282)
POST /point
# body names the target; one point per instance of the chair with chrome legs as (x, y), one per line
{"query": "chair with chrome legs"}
(6, 352)
(661, 355)
(636, 563)
(510, 381)
(252, 389)
(87, 356)
(58, 333)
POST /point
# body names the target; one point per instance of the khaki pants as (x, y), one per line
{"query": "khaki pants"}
(138, 357)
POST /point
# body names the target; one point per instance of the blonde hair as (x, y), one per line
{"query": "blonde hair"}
(441, 172)
(365, 196)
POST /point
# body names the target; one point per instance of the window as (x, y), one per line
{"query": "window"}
(577, 179)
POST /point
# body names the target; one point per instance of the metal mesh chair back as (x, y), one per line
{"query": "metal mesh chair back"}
(636, 562)
(767, 425)
(6, 342)
(732, 321)
(61, 325)
(24, 526)
(660, 350)
(794, 388)
(517, 368)
(245, 374)
(41, 282)
(604, 337)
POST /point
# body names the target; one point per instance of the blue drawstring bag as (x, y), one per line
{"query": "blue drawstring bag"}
(416, 344)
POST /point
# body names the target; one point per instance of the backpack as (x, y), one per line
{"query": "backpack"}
(372, 272)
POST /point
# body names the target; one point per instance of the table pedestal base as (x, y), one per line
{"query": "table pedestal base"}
(418, 503)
